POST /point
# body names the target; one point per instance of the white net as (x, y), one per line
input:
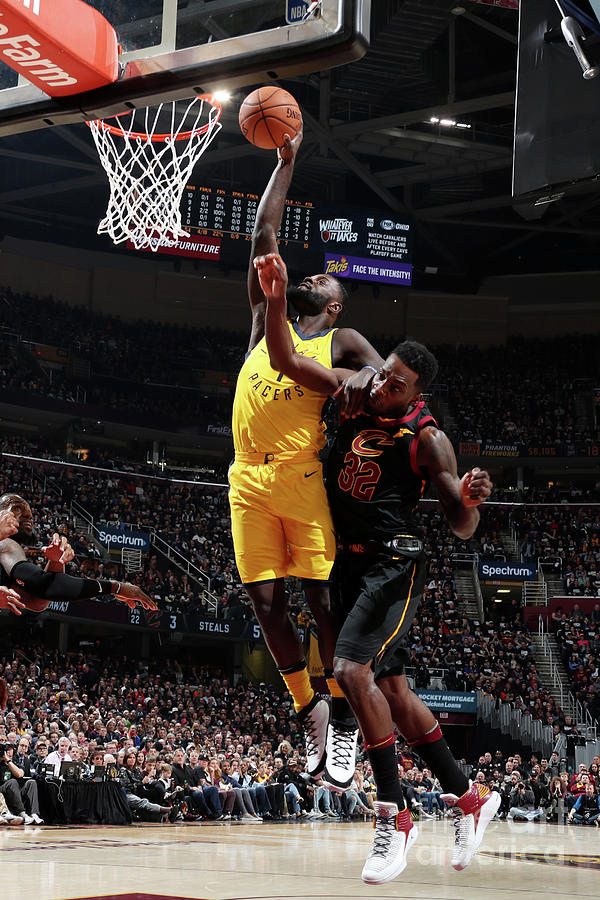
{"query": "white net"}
(149, 155)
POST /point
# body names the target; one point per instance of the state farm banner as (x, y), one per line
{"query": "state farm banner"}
(500, 570)
(192, 245)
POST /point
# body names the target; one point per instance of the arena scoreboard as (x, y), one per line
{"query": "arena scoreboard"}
(345, 241)
(232, 215)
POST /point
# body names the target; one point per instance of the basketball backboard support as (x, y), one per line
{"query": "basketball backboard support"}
(172, 49)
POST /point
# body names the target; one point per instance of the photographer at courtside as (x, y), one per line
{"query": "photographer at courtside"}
(522, 802)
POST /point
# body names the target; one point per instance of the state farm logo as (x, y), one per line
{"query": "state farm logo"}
(337, 230)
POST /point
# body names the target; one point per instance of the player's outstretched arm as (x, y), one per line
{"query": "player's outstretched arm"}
(266, 226)
(131, 594)
(36, 582)
(272, 274)
(459, 497)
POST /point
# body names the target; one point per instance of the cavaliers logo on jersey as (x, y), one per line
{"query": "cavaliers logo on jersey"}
(361, 444)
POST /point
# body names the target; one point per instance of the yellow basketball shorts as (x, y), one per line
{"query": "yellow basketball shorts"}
(280, 519)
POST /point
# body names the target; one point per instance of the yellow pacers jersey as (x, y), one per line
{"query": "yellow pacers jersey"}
(273, 413)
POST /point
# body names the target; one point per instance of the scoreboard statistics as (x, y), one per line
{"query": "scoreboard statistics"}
(214, 211)
(345, 241)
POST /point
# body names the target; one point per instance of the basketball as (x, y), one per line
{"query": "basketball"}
(267, 115)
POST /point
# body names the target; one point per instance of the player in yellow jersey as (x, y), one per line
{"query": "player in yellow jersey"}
(280, 517)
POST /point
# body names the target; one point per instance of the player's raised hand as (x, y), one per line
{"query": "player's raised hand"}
(131, 594)
(59, 550)
(8, 524)
(288, 150)
(475, 487)
(353, 393)
(272, 275)
(10, 600)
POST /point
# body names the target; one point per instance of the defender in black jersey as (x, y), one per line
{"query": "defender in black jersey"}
(374, 486)
(380, 465)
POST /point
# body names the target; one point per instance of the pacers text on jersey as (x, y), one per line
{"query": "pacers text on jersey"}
(270, 392)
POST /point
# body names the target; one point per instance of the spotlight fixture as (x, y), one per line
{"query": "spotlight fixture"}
(447, 123)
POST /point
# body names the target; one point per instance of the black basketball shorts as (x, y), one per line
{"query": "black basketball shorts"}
(380, 595)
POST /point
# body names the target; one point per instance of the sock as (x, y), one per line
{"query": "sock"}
(297, 681)
(405, 822)
(433, 749)
(341, 710)
(471, 800)
(382, 756)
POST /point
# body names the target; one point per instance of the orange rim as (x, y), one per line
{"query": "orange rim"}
(160, 138)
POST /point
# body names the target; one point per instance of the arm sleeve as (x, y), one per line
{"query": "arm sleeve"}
(56, 585)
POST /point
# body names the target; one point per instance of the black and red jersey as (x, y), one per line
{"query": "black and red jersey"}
(373, 481)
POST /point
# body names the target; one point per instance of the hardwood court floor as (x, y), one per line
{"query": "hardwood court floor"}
(319, 860)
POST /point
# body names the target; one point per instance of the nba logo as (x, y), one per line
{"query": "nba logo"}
(33, 5)
(296, 10)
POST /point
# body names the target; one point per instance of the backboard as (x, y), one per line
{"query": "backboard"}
(172, 49)
(557, 127)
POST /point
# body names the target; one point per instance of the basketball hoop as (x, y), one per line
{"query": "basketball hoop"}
(148, 155)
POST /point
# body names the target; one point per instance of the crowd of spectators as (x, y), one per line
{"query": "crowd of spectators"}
(192, 518)
(186, 407)
(538, 789)
(143, 351)
(180, 734)
(568, 537)
(522, 392)
(188, 743)
(496, 656)
(578, 637)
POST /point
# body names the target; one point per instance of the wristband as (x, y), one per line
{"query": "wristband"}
(107, 586)
(372, 368)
